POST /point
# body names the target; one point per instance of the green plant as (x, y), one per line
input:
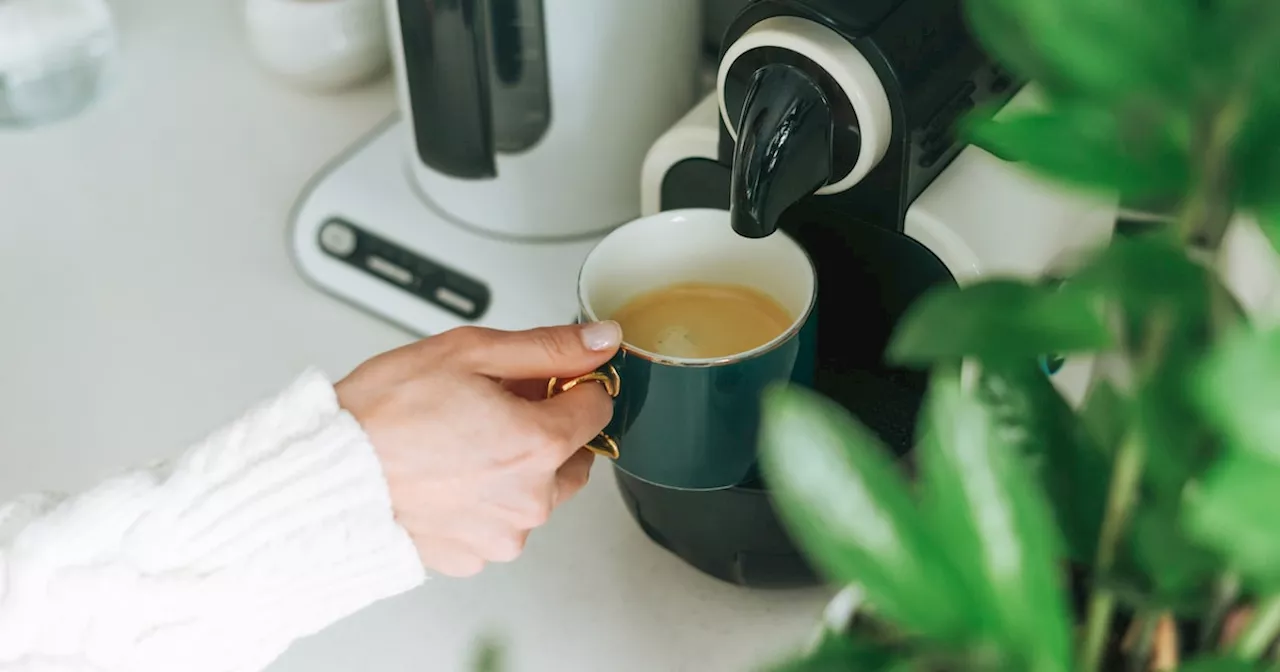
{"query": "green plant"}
(1037, 534)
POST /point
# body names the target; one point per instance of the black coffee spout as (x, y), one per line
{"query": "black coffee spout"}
(783, 153)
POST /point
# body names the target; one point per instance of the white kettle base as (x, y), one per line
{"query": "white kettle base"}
(361, 232)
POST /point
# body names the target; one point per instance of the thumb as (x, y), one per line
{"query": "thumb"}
(543, 352)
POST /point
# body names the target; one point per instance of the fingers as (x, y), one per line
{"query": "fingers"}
(573, 418)
(536, 353)
(471, 540)
(573, 475)
(532, 389)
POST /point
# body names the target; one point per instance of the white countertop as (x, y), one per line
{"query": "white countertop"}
(146, 297)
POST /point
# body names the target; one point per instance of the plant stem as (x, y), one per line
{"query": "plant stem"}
(1207, 212)
(1140, 657)
(1120, 499)
(1261, 631)
(1225, 591)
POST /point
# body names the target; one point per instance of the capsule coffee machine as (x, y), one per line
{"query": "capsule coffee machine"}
(834, 121)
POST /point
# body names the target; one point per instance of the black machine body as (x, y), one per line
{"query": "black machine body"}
(834, 117)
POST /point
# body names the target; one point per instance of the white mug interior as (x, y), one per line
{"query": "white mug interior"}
(694, 245)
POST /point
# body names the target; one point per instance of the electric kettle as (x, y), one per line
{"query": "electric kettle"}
(530, 119)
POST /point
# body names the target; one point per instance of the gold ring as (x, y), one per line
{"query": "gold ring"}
(609, 378)
(602, 444)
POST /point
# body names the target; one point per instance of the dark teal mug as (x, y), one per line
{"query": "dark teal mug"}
(687, 423)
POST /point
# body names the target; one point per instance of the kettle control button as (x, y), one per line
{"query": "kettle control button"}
(390, 271)
(455, 300)
(338, 239)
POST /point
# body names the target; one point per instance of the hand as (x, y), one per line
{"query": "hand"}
(475, 457)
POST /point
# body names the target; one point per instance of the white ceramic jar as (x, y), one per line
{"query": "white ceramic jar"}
(319, 44)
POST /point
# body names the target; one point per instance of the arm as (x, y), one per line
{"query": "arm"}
(268, 531)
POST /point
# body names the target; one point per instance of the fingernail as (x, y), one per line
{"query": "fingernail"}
(601, 335)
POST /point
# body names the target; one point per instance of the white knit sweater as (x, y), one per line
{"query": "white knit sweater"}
(269, 530)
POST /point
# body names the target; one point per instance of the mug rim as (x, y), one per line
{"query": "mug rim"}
(704, 362)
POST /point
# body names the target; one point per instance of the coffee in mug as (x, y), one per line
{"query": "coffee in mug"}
(702, 320)
(709, 320)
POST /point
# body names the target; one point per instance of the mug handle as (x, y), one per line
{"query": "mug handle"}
(602, 444)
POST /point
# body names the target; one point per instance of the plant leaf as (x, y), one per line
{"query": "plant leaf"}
(997, 320)
(1086, 147)
(995, 524)
(1091, 48)
(1254, 29)
(1159, 567)
(839, 652)
(1237, 388)
(1105, 416)
(1163, 300)
(1256, 158)
(1168, 568)
(1213, 663)
(1030, 415)
(848, 506)
(1139, 270)
(1233, 509)
(1269, 221)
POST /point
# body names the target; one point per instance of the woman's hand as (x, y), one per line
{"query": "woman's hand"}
(474, 456)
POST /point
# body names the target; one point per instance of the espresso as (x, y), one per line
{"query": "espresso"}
(701, 320)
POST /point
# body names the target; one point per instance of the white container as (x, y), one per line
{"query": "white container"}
(319, 44)
(54, 55)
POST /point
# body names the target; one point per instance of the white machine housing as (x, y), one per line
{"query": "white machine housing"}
(985, 218)
(982, 217)
(619, 74)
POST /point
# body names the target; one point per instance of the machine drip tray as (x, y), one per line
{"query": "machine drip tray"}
(732, 535)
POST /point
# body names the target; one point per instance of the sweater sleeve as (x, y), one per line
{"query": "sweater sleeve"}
(269, 530)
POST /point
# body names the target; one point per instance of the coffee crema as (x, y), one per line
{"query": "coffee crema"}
(702, 320)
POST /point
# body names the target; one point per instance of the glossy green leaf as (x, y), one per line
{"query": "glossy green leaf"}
(1254, 84)
(1257, 160)
(842, 653)
(1159, 567)
(1097, 48)
(1105, 416)
(1238, 390)
(1234, 510)
(1030, 415)
(1086, 147)
(1146, 273)
(1269, 221)
(1162, 298)
(1181, 446)
(996, 525)
(848, 506)
(998, 29)
(998, 319)
(1168, 568)
(1213, 663)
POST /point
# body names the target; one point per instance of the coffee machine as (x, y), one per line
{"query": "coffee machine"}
(521, 129)
(835, 122)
